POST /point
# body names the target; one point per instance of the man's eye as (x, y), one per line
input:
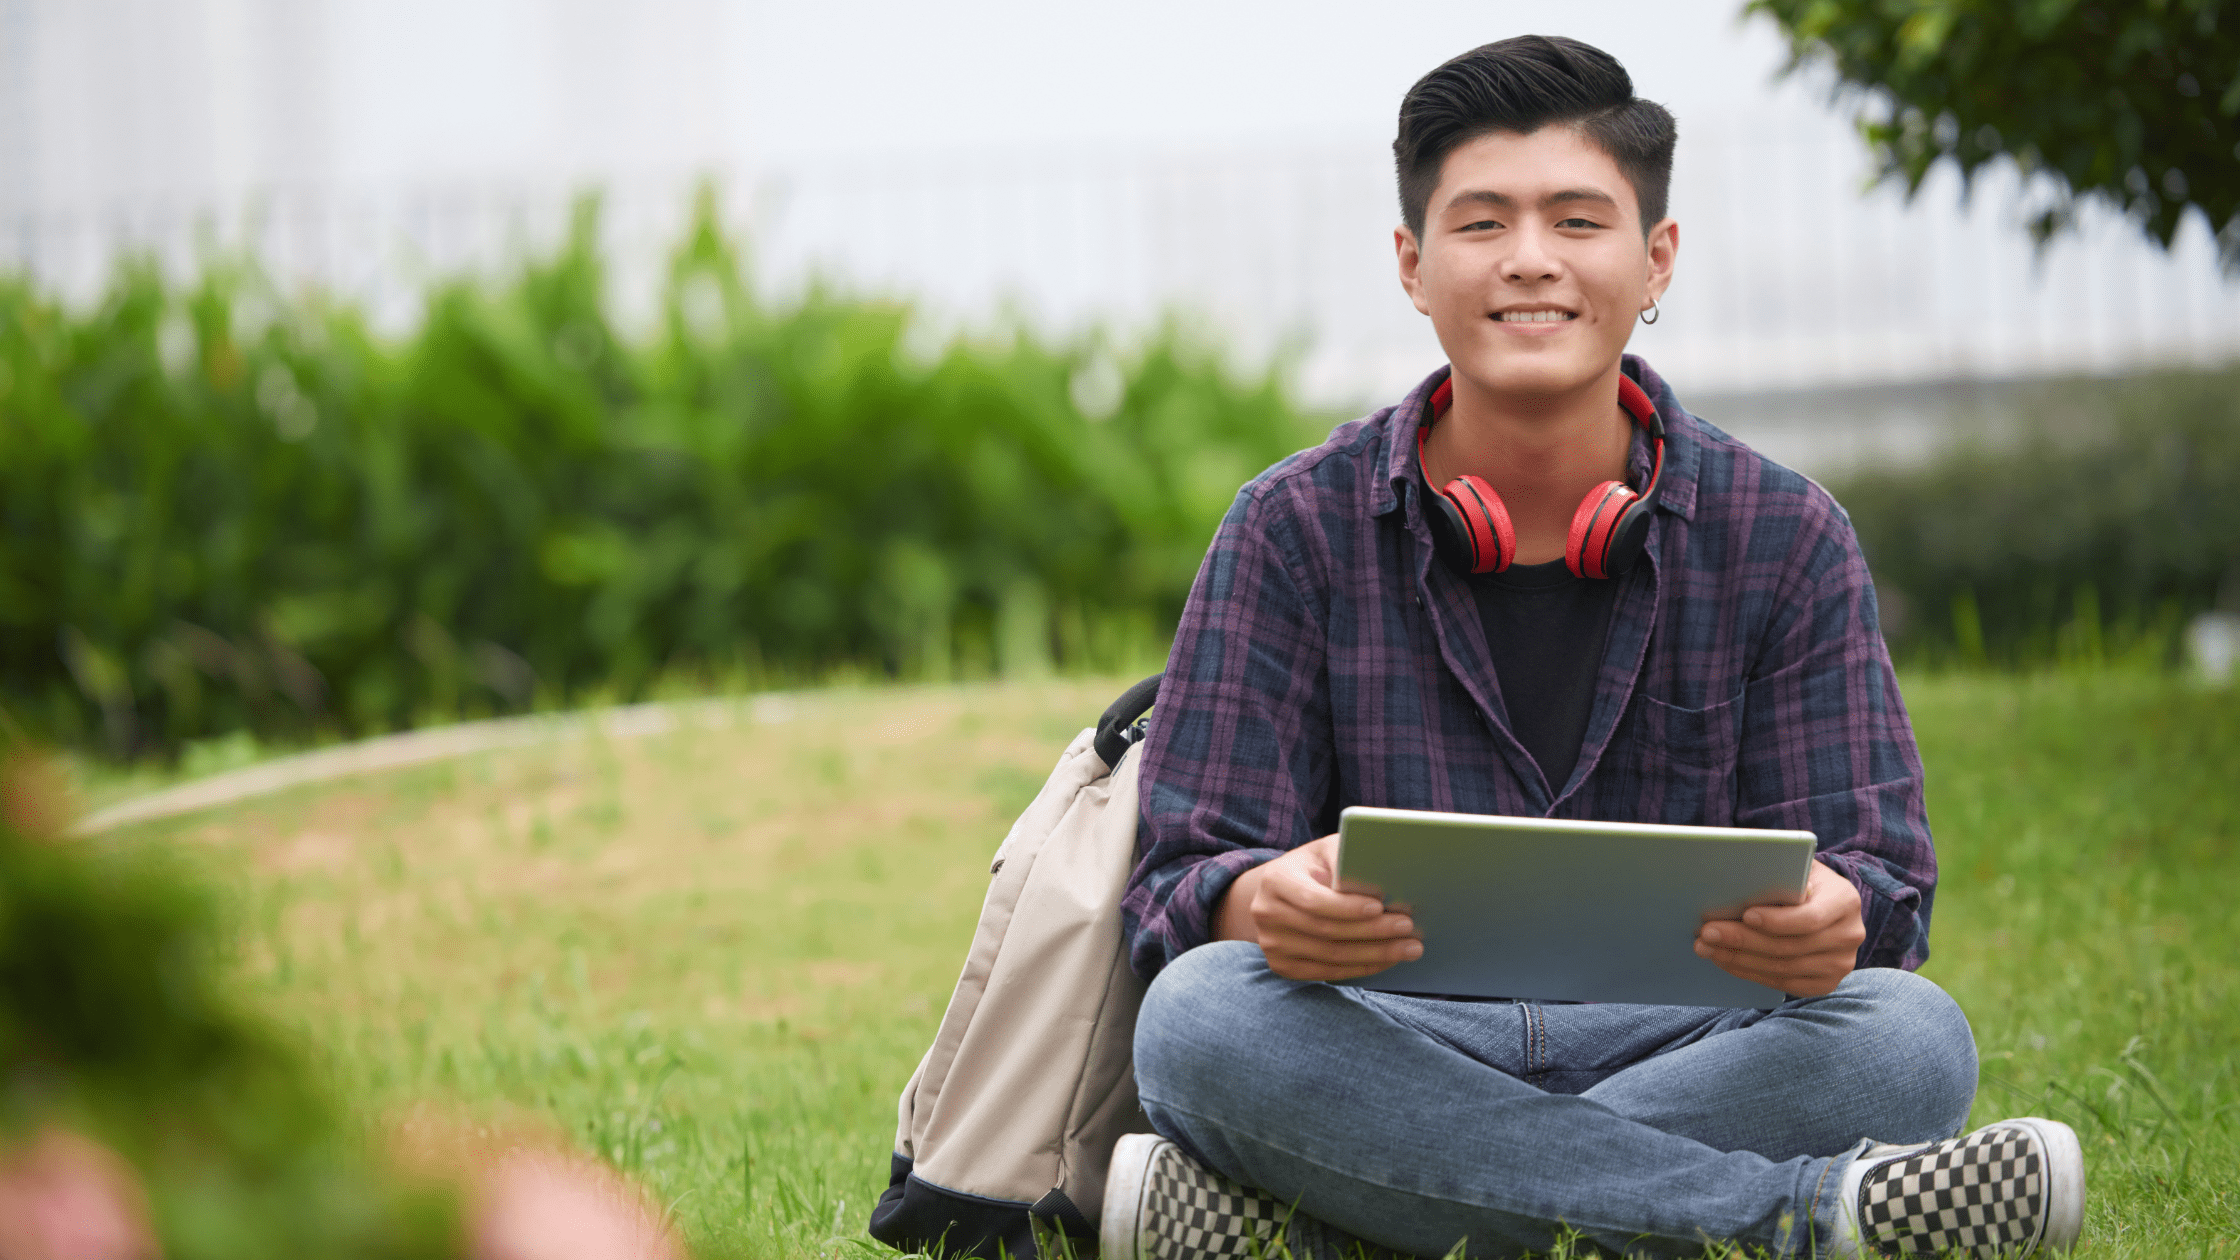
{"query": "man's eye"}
(1482, 225)
(1576, 222)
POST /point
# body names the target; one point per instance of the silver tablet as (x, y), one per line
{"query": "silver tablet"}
(1555, 909)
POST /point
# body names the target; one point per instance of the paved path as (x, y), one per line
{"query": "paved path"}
(413, 748)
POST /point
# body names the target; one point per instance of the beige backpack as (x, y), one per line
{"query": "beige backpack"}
(1008, 1125)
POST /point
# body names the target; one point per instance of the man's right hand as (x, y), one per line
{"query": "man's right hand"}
(1309, 930)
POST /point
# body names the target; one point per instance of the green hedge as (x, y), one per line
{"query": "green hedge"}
(2109, 516)
(225, 511)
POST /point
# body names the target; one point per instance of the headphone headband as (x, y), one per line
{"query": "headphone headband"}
(1636, 400)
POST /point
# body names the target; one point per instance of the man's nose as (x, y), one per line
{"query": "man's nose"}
(1531, 257)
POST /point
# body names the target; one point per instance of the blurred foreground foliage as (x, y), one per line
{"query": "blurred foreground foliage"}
(116, 1022)
(227, 512)
(2105, 517)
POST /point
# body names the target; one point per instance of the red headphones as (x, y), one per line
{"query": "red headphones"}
(1470, 525)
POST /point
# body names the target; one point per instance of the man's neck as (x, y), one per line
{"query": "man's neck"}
(1542, 454)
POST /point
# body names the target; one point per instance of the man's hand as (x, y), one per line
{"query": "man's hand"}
(1308, 930)
(1804, 950)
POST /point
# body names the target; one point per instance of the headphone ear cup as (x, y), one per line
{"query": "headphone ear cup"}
(1628, 537)
(1586, 550)
(1449, 536)
(1470, 525)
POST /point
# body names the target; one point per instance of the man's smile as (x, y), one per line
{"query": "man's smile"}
(1534, 315)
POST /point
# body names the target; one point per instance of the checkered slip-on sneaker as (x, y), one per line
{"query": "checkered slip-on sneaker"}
(1160, 1204)
(2015, 1188)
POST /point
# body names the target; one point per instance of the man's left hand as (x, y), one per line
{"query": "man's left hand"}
(1804, 950)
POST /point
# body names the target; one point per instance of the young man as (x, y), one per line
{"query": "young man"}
(1449, 606)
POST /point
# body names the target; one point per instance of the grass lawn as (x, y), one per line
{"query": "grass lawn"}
(713, 956)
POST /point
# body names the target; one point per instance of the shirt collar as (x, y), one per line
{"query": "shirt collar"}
(1678, 495)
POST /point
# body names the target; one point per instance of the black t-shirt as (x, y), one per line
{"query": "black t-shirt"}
(1545, 630)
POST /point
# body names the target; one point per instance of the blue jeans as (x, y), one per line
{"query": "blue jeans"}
(1413, 1123)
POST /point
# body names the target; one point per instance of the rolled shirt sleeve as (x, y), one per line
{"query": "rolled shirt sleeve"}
(1827, 748)
(1237, 767)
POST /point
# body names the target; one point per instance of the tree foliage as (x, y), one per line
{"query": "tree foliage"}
(2130, 102)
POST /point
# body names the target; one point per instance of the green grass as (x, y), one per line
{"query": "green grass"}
(2086, 921)
(714, 956)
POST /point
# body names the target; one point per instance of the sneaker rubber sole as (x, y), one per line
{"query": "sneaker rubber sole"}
(1160, 1204)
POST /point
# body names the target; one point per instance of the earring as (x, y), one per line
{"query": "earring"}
(1654, 312)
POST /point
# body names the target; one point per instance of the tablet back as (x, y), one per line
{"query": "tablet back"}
(1547, 909)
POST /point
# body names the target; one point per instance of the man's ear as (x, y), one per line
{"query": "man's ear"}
(1664, 249)
(1411, 266)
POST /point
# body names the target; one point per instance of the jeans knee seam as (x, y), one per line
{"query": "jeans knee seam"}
(1812, 1218)
(1524, 1030)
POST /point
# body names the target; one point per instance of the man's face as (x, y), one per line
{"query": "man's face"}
(1532, 265)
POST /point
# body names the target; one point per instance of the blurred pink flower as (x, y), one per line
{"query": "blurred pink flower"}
(543, 1205)
(63, 1197)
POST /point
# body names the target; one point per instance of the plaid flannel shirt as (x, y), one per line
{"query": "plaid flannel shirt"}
(1326, 658)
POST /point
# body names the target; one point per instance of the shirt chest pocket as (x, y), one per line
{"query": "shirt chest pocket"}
(1673, 765)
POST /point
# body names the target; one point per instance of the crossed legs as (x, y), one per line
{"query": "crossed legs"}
(1411, 1123)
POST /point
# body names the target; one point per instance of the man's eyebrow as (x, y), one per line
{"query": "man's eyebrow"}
(1595, 195)
(1503, 201)
(1481, 197)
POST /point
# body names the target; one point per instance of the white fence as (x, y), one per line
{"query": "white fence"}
(1788, 277)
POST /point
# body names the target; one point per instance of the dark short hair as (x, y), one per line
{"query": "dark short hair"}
(1522, 85)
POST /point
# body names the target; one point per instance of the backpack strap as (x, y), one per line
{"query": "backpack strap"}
(1120, 725)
